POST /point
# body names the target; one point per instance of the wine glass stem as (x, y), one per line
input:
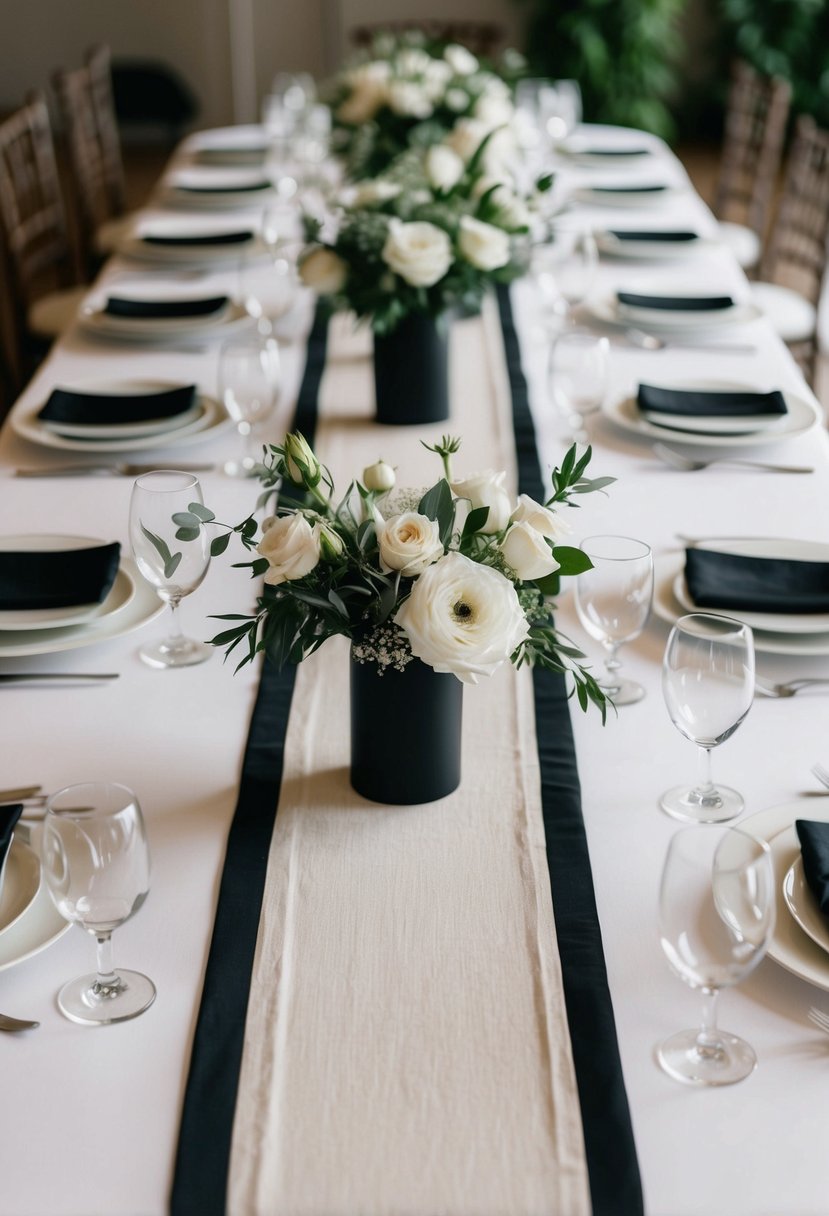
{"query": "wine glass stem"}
(107, 983)
(612, 666)
(705, 785)
(176, 637)
(709, 1043)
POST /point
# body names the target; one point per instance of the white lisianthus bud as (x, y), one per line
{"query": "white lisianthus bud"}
(541, 518)
(486, 489)
(420, 253)
(409, 543)
(463, 617)
(291, 547)
(323, 271)
(483, 245)
(379, 477)
(461, 61)
(444, 168)
(329, 543)
(301, 464)
(527, 553)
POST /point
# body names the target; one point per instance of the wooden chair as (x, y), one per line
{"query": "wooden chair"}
(482, 38)
(99, 66)
(755, 130)
(37, 248)
(794, 264)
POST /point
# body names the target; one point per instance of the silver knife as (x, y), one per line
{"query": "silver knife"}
(114, 470)
(12, 679)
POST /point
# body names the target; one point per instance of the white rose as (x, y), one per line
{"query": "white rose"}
(527, 553)
(512, 210)
(420, 252)
(457, 99)
(466, 137)
(483, 245)
(291, 547)
(500, 153)
(378, 191)
(461, 61)
(463, 618)
(323, 271)
(444, 168)
(412, 61)
(436, 77)
(494, 111)
(365, 99)
(376, 72)
(486, 489)
(541, 518)
(409, 99)
(409, 543)
(379, 477)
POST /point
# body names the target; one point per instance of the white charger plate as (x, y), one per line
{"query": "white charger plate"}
(144, 606)
(800, 901)
(21, 883)
(608, 309)
(698, 425)
(121, 430)
(802, 416)
(761, 546)
(666, 606)
(650, 251)
(120, 594)
(40, 926)
(217, 188)
(133, 246)
(790, 947)
(160, 331)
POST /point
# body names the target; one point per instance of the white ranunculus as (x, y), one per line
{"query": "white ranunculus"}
(379, 477)
(323, 271)
(444, 168)
(545, 521)
(461, 61)
(409, 99)
(483, 245)
(409, 543)
(420, 253)
(379, 191)
(527, 553)
(463, 618)
(291, 547)
(486, 489)
(494, 111)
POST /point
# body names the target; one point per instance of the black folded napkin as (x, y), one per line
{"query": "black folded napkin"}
(234, 150)
(208, 238)
(814, 848)
(611, 152)
(103, 409)
(756, 584)
(661, 234)
(61, 578)
(627, 189)
(699, 403)
(120, 306)
(9, 816)
(248, 186)
(675, 303)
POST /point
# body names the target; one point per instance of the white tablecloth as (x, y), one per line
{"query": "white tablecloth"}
(89, 1119)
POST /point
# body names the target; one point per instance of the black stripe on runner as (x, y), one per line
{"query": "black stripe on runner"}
(203, 1155)
(615, 1184)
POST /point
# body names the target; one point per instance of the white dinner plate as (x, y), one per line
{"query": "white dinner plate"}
(119, 596)
(163, 330)
(588, 152)
(133, 246)
(667, 566)
(39, 926)
(210, 419)
(21, 882)
(608, 309)
(650, 251)
(217, 188)
(790, 947)
(625, 195)
(142, 607)
(700, 425)
(799, 899)
(121, 430)
(761, 546)
(243, 145)
(801, 416)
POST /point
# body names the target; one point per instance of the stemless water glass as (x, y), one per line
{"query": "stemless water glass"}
(174, 568)
(716, 916)
(97, 868)
(577, 377)
(248, 383)
(613, 601)
(708, 684)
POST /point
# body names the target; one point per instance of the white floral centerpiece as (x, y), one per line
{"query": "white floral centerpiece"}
(411, 92)
(459, 576)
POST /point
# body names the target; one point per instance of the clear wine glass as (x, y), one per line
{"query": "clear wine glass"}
(577, 377)
(248, 384)
(564, 269)
(613, 601)
(708, 685)
(174, 568)
(96, 865)
(716, 916)
(561, 109)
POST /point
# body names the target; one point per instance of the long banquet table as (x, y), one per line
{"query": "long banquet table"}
(89, 1121)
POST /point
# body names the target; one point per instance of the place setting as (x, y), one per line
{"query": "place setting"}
(194, 241)
(234, 146)
(688, 311)
(219, 188)
(651, 244)
(622, 192)
(161, 312)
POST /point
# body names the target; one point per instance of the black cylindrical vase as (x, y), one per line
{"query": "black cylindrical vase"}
(411, 372)
(405, 733)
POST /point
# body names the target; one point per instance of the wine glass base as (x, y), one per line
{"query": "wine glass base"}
(78, 1002)
(623, 692)
(731, 1060)
(683, 802)
(179, 653)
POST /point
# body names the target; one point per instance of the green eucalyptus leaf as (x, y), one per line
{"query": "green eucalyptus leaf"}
(186, 519)
(187, 534)
(570, 560)
(219, 544)
(204, 513)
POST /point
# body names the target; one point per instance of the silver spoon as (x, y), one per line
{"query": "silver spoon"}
(12, 1024)
(677, 461)
(639, 337)
(789, 689)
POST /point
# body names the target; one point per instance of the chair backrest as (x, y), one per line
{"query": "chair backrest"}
(32, 215)
(85, 159)
(483, 38)
(99, 66)
(755, 131)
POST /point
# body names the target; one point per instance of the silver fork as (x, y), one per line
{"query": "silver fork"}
(819, 1019)
(12, 1024)
(789, 689)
